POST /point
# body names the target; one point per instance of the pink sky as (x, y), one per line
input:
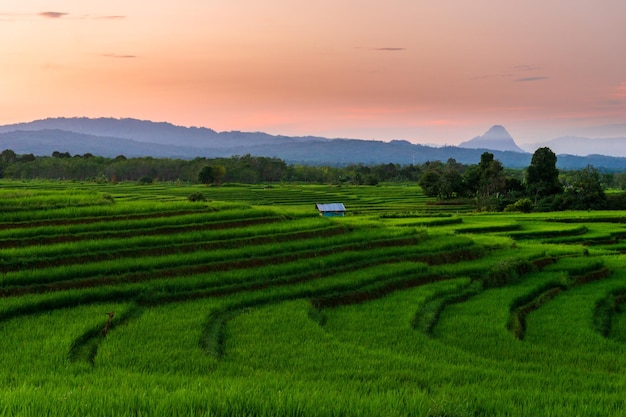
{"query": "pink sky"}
(420, 70)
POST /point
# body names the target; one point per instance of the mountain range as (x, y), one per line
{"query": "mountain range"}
(111, 137)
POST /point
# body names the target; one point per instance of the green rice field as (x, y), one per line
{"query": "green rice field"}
(131, 300)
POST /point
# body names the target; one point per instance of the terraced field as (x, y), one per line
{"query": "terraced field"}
(126, 300)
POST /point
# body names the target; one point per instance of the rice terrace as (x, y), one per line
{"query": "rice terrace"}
(132, 300)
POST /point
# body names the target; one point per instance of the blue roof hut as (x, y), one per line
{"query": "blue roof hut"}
(331, 209)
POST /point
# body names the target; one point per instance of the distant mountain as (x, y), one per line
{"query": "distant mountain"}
(136, 138)
(44, 142)
(580, 146)
(154, 132)
(496, 138)
(352, 151)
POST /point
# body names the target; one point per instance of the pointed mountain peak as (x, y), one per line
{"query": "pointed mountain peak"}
(498, 132)
(497, 138)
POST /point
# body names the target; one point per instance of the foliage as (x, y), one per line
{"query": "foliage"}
(542, 176)
(197, 196)
(145, 180)
(524, 205)
(506, 272)
(211, 174)
(488, 184)
(206, 175)
(587, 190)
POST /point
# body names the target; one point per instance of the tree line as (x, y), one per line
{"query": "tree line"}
(540, 187)
(245, 169)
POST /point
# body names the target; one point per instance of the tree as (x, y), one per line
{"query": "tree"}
(8, 157)
(443, 181)
(57, 154)
(451, 182)
(430, 183)
(588, 190)
(28, 157)
(206, 175)
(542, 176)
(219, 172)
(491, 181)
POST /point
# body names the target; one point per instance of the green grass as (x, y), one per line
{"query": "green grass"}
(251, 304)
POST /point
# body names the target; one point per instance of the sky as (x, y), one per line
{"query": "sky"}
(426, 71)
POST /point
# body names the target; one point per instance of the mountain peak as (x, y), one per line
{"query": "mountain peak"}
(497, 131)
(497, 138)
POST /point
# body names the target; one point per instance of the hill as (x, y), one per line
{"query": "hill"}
(44, 142)
(160, 133)
(497, 138)
(137, 138)
(582, 146)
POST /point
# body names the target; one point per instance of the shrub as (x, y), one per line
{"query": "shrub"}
(108, 198)
(506, 272)
(525, 205)
(616, 201)
(195, 197)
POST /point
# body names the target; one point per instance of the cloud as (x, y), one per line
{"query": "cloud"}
(488, 76)
(58, 15)
(12, 17)
(110, 17)
(530, 79)
(513, 71)
(52, 15)
(389, 49)
(526, 68)
(119, 56)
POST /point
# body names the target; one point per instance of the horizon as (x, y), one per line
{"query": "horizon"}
(426, 73)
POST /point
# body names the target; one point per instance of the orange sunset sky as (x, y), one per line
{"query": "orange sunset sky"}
(421, 70)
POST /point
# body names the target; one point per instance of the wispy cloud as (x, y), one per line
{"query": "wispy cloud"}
(123, 56)
(522, 68)
(59, 15)
(110, 17)
(530, 79)
(514, 71)
(389, 49)
(382, 49)
(488, 76)
(52, 15)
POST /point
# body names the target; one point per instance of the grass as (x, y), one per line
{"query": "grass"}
(251, 304)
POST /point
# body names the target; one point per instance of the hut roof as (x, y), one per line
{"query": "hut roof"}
(330, 207)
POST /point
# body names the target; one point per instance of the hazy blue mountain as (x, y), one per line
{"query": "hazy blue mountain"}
(346, 151)
(581, 146)
(154, 132)
(497, 138)
(135, 138)
(44, 142)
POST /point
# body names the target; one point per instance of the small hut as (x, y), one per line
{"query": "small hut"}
(331, 209)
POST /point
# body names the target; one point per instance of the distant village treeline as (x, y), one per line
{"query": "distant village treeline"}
(539, 187)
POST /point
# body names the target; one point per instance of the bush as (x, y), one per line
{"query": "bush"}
(195, 197)
(525, 205)
(616, 201)
(506, 272)
(109, 198)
